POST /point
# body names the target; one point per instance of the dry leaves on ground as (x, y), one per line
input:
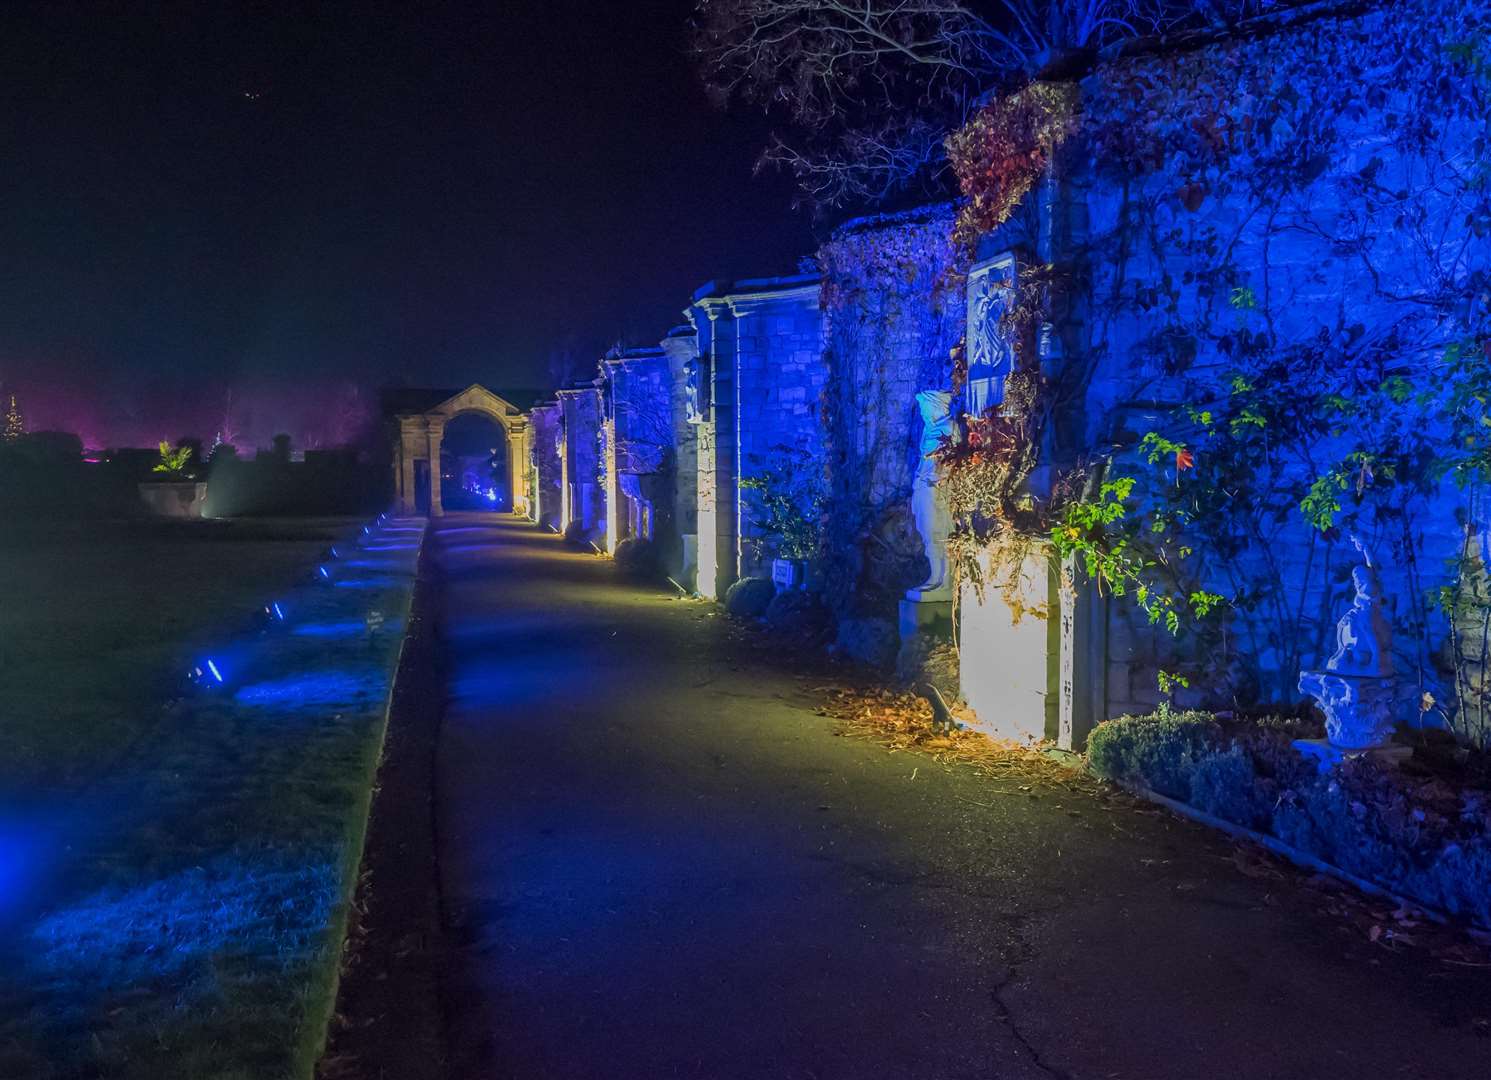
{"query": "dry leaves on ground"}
(903, 721)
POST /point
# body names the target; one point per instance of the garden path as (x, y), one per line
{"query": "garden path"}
(658, 861)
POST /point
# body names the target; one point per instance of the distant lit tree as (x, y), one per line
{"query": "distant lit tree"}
(174, 461)
(873, 86)
(15, 423)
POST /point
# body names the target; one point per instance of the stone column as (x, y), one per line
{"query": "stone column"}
(719, 494)
(1009, 657)
(1082, 664)
(613, 486)
(566, 500)
(398, 474)
(518, 465)
(408, 451)
(436, 434)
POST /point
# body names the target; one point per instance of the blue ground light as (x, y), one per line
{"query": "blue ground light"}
(366, 583)
(350, 628)
(314, 690)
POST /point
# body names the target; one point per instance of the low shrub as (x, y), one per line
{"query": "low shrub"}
(1226, 785)
(637, 558)
(798, 613)
(1160, 750)
(1411, 829)
(749, 597)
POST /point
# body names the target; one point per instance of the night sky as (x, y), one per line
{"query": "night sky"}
(294, 203)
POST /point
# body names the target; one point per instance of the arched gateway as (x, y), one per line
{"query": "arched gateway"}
(420, 434)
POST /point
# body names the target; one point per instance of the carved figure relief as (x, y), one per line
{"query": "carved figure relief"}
(991, 354)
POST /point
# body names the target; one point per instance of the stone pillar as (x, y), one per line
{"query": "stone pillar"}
(1009, 648)
(614, 529)
(518, 435)
(398, 474)
(719, 494)
(566, 500)
(682, 350)
(1082, 665)
(436, 434)
(408, 452)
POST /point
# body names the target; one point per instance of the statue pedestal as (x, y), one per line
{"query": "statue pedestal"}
(1358, 714)
(933, 618)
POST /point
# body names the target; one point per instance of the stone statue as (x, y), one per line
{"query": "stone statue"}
(928, 503)
(1363, 637)
(1356, 689)
(693, 392)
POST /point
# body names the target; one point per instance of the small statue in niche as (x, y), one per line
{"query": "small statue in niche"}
(1356, 689)
(695, 408)
(928, 503)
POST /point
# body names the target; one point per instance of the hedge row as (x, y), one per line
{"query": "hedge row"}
(1420, 829)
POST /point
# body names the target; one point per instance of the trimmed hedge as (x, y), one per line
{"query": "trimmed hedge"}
(1414, 830)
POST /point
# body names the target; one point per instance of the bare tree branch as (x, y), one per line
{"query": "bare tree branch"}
(874, 84)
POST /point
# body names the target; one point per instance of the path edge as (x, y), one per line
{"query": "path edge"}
(388, 1008)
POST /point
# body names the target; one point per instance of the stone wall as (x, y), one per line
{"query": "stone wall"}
(547, 445)
(760, 344)
(584, 505)
(1273, 220)
(638, 403)
(779, 377)
(894, 311)
(680, 547)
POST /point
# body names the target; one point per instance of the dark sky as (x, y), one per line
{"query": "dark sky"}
(211, 196)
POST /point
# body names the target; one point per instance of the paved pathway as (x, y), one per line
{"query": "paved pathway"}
(658, 863)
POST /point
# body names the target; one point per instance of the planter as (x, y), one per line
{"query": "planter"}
(789, 574)
(174, 498)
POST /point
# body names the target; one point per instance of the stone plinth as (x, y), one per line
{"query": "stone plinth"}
(1358, 715)
(174, 498)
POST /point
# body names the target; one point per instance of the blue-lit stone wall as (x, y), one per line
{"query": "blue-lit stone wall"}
(894, 309)
(1344, 233)
(680, 546)
(546, 445)
(779, 379)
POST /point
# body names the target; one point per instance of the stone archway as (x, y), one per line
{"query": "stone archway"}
(421, 433)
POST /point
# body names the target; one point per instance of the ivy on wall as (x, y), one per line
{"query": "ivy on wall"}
(1285, 330)
(893, 299)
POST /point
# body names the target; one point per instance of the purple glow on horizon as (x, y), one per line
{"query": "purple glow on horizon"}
(110, 412)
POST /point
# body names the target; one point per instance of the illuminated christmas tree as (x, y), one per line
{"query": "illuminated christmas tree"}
(15, 425)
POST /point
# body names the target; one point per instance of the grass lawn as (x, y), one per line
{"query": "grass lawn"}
(174, 873)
